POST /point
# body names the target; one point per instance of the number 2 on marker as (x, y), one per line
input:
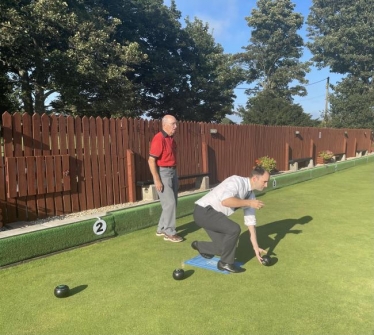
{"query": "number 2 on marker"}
(99, 227)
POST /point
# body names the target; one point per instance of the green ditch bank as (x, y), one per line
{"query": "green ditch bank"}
(23, 247)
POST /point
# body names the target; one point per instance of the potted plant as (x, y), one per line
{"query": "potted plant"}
(324, 156)
(268, 163)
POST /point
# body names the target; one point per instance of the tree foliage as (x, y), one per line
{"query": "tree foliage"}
(65, 47)
(273, 66)
(270, 109)
(352, 105)
(272, 59)
(212, 76)
(7, 88)
(341, 34)
(113, 58)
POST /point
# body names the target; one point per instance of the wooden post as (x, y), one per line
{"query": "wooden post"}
(131, 175)
(204, 148)
(312, 152)
(287, 157)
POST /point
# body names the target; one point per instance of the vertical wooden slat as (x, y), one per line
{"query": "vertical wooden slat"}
(94, 163)
(114, 155)
(71, 136)
(11, 172)
(101, 162)
(37, 145)
(50, 183)
(121, 161)
(8, 152)
(108, 164)
(311, 149)
(41, 179)
(178, 138)
(18, 152)
(30, 167)
(125, 141)
(131, 175)
(31, 185)
(66, 199)
(47, 134)
(136, 150)
(87, 163)
(287, 157)
(56, 168)
(49, 174)
(5, 116)
(81, 183)
(66, 174)
(205, 167)
(142, 167)
(22, 181)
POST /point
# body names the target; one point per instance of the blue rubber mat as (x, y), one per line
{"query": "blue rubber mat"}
(208, 264)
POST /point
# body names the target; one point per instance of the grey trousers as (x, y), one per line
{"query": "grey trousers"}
(168, 199)
(223, 232)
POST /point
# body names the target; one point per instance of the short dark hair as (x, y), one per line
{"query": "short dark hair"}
(257, 171)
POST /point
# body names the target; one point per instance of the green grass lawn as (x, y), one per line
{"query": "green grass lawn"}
(320, 234)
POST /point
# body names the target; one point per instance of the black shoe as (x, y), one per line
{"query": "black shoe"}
(194, 246)
(229, 267)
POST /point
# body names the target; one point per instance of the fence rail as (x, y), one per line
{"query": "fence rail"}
(56, 165)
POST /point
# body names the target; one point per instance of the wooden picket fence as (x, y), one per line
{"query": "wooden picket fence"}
(56, 165)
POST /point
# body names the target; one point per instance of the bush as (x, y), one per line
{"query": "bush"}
(267, 163)
(326, 154)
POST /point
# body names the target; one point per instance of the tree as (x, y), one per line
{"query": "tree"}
(212, 77)
(352, 104)
(159, 82)
(8, 100)
(342, 39)
(341, 36)
(272, 60)
(57, 46)
(114, 58)
(269, 109)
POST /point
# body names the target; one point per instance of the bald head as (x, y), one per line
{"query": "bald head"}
(169, 124)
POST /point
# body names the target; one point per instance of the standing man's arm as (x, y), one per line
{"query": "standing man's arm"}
(253, 238)
(156, 176)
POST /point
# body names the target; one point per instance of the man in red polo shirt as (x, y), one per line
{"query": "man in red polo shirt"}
(163, 165)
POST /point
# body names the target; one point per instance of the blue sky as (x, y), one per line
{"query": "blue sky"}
(226, 19)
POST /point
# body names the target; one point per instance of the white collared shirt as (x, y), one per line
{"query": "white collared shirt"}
(234, 186)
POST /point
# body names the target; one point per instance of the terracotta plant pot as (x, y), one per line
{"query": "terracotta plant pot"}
(321, 160)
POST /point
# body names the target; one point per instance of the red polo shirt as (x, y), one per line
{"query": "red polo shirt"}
(164, 149)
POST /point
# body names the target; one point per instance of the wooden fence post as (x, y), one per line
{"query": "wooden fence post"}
(312, 153)
(204, 148)
(287, 157)
(131, 175)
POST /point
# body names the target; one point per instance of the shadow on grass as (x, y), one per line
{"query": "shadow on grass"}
(188, 273)
(77, 289)
(280, 229)
(187, 228)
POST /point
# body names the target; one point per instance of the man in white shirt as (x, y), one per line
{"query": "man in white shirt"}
(212, 210)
